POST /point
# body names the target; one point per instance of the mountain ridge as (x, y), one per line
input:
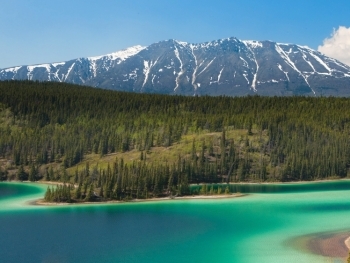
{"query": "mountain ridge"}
(228, 66)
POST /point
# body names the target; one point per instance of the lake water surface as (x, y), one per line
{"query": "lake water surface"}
(253, 228)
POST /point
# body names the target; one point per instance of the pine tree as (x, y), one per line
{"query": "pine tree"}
(90, 194)
(78, 192)
(51, 175)
(219, 190)
(21, 174)
(32, 173)
(101, 192)
(48, 195)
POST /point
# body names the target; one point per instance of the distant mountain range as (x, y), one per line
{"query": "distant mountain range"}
(223, 67)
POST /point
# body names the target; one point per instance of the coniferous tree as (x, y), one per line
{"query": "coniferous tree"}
(32, 176)
(21, 174)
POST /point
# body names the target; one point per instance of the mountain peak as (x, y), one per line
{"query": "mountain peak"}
(227, 66)
(122, 54)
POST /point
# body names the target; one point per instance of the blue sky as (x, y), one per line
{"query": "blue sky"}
(38, 31)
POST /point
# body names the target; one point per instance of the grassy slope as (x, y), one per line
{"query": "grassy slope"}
(168, 155)
(182, 148)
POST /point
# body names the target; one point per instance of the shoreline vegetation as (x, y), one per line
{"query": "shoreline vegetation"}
(193, 197)
(209, 193)
(70, 193)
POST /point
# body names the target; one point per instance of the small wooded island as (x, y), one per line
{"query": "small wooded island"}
(106, 145)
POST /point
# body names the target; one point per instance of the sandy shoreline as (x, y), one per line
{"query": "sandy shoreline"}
(194, 197)
(335, 245)
(347, 243)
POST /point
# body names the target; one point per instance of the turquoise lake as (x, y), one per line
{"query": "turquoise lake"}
(253, 228)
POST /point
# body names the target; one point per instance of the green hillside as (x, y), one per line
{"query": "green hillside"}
(140, 145)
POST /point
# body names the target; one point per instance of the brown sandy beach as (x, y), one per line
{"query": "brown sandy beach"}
(334, 245)
(330, 245)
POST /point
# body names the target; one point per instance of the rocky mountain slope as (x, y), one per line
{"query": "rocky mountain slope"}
(224, 67)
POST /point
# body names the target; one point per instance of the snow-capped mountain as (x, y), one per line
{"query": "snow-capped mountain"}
(223, 67)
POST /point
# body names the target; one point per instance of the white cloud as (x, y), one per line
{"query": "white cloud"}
(338, 45)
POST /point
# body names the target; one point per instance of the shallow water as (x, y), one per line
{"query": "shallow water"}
(246, 229)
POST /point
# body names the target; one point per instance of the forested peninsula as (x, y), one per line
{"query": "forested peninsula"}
(106, 145)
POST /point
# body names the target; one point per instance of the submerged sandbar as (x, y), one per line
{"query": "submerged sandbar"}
(335, 245)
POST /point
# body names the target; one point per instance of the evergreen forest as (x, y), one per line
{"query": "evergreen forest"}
(108, 145)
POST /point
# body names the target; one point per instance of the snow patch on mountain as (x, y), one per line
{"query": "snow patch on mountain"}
(291, 64)
(177, 54)
(218, 79)
(195, 69)
(206, 66)
(250, 45)
(69, 70)
(321, 62)
(14, 69)
(120, 55)
(253, 43)
(285, 72)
